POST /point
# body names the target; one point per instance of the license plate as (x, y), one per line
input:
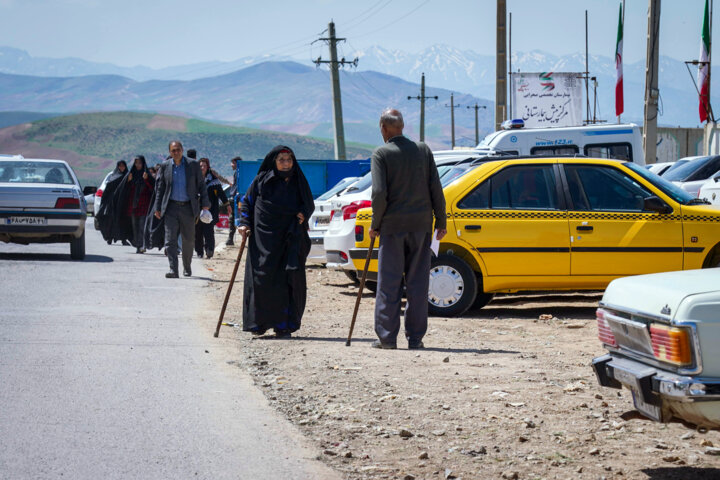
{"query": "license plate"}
(631, 335)
(322, 221)
(26, 221)
(651, 411)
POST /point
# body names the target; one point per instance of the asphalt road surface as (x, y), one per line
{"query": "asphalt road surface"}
(109, 370)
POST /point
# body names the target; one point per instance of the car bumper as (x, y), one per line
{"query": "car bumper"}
(317, 249)
(660, 394)
(59, 227)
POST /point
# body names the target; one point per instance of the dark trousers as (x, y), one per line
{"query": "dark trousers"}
(138, 229)
(408, 254)
(179, 220)
(205, 239)
(231, 222)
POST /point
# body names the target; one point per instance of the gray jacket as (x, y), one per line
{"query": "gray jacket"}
(196, 188)
(406, 188)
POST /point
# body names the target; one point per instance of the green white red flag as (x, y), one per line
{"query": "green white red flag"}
(704, 69)
(619, 101)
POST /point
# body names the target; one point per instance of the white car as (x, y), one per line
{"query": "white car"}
(694, 173)
(340, 236)
(320, 219)
(660, 167)
(710, 190)
(661, 332)
(98, 199)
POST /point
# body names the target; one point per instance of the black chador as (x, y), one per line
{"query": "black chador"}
(108, 212)
(275, 285)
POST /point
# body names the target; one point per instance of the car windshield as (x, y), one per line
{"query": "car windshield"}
(24, 171)
(449, 173)
(341, 185)
(675, 166)
(667, 187)
(693, 170)
(363, 184)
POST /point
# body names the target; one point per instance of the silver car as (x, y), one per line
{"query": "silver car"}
(41, 202)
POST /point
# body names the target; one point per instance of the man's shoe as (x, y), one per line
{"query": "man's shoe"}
(230, 242)
(187, 272)
(283, 334)
(384, 346)
(199, 254)
(208, 254)
(171, 274)
(417, 345)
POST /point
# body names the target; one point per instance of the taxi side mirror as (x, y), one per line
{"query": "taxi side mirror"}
(655, 204)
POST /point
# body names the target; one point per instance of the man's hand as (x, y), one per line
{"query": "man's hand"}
(441, 233)
(374, 233)
(244, 231)
(301, 218)
(157, 214)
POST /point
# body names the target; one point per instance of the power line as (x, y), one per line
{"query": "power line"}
(370, 14)
(402, 17)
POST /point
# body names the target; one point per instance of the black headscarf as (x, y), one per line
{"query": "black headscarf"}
(117, 173)
(137, 179)
(268, 169)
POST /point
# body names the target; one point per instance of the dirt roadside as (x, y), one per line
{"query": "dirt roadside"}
(503, 392)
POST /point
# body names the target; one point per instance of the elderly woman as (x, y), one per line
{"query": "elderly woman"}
(274, 216)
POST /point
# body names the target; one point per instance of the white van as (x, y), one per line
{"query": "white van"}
(623, 142)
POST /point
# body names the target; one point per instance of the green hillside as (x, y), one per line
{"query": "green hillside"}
(121, 135)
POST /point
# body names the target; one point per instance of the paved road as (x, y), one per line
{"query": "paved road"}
(109, 370)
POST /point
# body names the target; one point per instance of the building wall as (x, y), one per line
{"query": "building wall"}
(675, 143)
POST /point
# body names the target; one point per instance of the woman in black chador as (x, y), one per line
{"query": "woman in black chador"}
(274, 214)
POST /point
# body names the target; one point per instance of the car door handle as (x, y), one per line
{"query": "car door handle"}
(473, 227)
(584, 228)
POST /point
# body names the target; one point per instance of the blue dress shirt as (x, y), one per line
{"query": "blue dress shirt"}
(179, 185)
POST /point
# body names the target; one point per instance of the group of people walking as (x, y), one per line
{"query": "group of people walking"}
(183, 201)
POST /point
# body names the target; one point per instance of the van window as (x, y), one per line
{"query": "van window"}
(620, 151)
(555, 150)
(530, 187)
(600, 188)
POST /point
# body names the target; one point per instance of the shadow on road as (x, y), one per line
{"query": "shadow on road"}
(682, 473)
(54, 257)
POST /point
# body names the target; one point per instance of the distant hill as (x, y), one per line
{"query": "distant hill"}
(93, 142)
(8, 119)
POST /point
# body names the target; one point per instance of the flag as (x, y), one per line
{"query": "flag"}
(704, 68)
(619, 104)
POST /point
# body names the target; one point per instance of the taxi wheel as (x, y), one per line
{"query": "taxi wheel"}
(452, 288)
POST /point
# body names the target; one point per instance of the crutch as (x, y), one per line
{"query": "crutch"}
(230, 285)
(360, 290)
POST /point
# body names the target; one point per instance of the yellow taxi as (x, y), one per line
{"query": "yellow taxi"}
(523, 224)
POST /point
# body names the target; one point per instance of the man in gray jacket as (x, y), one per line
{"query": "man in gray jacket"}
(180, 192)
(406, 192)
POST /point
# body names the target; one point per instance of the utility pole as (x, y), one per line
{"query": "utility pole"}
(500, 65)
(477, 132)
(338, 127)
(651, 83)
(452, 118)
(422, 99)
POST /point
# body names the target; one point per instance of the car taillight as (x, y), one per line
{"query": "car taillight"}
(67, 202)
(604, 332)
(350, 211)
(344, 256)
(332, 214)
(671, 344)
(359, 233)
(98, 193)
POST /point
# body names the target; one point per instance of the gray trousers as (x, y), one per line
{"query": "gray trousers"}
(179, 220)
(409, 254)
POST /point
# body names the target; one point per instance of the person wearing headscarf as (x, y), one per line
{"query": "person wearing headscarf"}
(135, 200)
(106, 213)
(274, 220)
(205, 232)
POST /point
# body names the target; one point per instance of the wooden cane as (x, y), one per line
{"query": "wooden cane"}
(360, 290)
(230, 285)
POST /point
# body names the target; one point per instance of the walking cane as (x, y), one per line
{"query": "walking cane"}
(360, 290)
(230, 285)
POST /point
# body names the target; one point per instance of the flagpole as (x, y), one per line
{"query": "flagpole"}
(709, 71)
(623, 26)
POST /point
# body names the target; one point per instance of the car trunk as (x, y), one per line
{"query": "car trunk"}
(28, 196)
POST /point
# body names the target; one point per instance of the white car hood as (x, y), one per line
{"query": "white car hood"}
(660, 294)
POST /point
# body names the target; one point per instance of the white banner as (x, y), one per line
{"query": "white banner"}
(548, 99)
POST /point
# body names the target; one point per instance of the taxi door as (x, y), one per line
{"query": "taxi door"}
(610, 232)
(516, 221)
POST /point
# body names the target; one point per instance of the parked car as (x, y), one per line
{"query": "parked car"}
(660, 167)
(710, 190)
(90, 199)
(529, 223)
(339, 238)
(676, 164)
(320, 219)
(662, 334)
(694, 173)
(41, 202)
(98, 199)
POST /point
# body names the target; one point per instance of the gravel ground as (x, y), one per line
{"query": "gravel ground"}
(503, 392)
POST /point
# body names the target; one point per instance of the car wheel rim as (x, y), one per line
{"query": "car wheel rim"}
(446, 286)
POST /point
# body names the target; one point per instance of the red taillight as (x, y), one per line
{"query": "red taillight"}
(344, 256)
(604, 332)
(671, 344)
(359, 233)
(350, 211)
(98, 193)
(332, 214)
(67, 202)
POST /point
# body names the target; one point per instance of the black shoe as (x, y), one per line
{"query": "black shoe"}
(416, 345)
(283, 334)
(126, 243)
(208, 254)
(109, 242)
(138, 250)
(230, 242)
(187, 272)
(384, 346)
(171, 274)
(199, 254)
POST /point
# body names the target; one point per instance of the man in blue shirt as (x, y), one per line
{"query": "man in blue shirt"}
(181, 192)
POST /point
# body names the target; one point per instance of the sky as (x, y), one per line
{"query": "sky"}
(160, 33)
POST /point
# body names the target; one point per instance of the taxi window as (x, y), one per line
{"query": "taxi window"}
(527, 187)
(600, 188)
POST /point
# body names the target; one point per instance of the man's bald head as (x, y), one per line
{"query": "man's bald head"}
(391, 123)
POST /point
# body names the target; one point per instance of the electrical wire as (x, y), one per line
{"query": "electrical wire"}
(402, 17)
(370, 15)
